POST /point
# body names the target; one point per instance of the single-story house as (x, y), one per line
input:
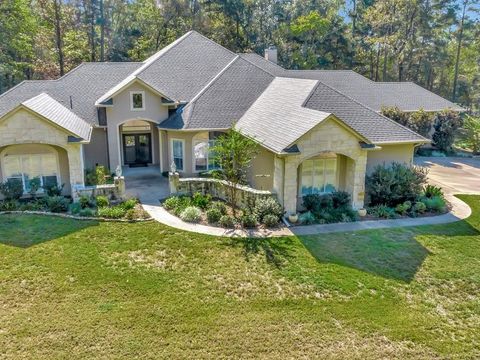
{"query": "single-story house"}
(317, 130)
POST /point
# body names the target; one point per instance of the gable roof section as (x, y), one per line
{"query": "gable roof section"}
(224, 100)
(84, 85)
(180, 70)
(52, 110)
(263, 63)
(373, 126)
(277, 119)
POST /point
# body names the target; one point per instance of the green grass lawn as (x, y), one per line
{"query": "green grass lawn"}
(75, 289)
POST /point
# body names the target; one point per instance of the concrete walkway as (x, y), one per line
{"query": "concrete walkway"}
(149, 186)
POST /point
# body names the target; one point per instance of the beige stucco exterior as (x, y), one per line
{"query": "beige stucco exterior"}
(328, 137)
(260, 174)
(96, 151)
(400, 153)
(121, 113)
(25, 130)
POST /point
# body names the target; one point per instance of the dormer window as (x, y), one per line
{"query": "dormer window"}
(137, 100)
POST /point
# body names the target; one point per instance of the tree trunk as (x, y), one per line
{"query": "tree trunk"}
(459, 47)
(385, 58)
(102, 32)
(377, 63)
(58, 36)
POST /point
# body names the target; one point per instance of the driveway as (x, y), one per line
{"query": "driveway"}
(455, 175)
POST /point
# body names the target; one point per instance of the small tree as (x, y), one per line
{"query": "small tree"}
(12, 189)
(396, 115)
(446, 125)
(233, 153)
(471, 126)
(421, 122)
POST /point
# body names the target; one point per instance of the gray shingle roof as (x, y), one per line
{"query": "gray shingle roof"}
(84, 84)
(277, 119)
(55, 112)
(224, 100)
(367, 122)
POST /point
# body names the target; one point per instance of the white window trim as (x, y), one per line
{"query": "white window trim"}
(194, 142)
(41, 190)
(131, 100)
(183, 153)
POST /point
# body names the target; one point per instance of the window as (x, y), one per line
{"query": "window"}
(26, 167)
(178, 151)
(204, 156)
(137, 101)
(318, 176)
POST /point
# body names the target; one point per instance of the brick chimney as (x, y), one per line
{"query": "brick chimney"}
(271, 54)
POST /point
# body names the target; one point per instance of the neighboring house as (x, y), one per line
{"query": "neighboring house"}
(318, 130)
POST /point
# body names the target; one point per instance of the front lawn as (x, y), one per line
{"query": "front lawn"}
(78, 289)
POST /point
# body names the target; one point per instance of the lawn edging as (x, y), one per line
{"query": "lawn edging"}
(68, 216)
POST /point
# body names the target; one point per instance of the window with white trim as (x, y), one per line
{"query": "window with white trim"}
(27, 167)
(178, 153)
(318, 176)
(203, 156)
(137, 100)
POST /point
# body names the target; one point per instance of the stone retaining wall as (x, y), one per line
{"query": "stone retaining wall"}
(112, 191)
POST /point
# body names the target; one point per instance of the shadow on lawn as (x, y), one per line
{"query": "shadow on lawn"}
(274, 249)
(24, 231)
(390, 253)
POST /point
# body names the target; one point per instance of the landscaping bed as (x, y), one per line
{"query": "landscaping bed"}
(203, 209)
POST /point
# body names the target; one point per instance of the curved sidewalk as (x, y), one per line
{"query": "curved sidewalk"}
(459, 211)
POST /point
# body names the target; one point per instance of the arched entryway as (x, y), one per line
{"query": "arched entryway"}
(138, 143)
(325, 172)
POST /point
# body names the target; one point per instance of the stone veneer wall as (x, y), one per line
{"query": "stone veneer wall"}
(329, 136)
(24, 127)
(217, 188)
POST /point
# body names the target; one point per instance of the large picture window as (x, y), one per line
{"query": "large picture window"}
(178, 153)
(27, 167)
(204, 156)
(318, 176)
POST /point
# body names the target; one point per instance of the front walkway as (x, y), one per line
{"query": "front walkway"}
(150, 187)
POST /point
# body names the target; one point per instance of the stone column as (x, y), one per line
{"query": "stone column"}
(173, 182)
(119, 182)
(359, 170)
(278, 178)
(75, 165)
(290, 186)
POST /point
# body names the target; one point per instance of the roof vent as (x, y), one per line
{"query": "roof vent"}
(271, 54)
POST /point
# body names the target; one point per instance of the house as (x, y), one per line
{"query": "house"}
(317, 130)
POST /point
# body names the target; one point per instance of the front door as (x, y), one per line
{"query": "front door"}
(137, 149)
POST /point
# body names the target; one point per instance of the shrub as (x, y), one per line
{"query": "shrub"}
(446, 124)
(191, 214)
(341, 199)
(421, 122)
(32, 206)
(9, 205)
(35, 185)
(100, 174)
(171, 202)
(270, 220)
(54, 190)
(12, 189)
(318, 202)
(57, 204)
(249, 220)
(306, 218)
(75, 208)
(220, 206)
(213, 215)
(382, 211)
(395, 184)
(102, 201)
(471, 127)
(129, 204)
(200, 200)
(267, 206)
(131, 214)
(402, 209)
(114, 212)
(84, 201)
(419, 207)
(227, 221)
(183, 203)
(87, 212)
(436, 204)
(431, 190)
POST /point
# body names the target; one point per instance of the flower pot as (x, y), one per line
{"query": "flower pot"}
(293, 218)
(362, 212)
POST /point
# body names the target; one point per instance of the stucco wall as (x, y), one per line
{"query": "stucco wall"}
(120, 113)
(24, 127)
(187, 137)
(96, 151)
(329, 136)
(390, 153)
(260, 174)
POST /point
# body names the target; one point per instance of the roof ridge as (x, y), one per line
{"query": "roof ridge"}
(369, 108)
(258, 67)
(22, 83)
(213, 42)
(261, 57)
